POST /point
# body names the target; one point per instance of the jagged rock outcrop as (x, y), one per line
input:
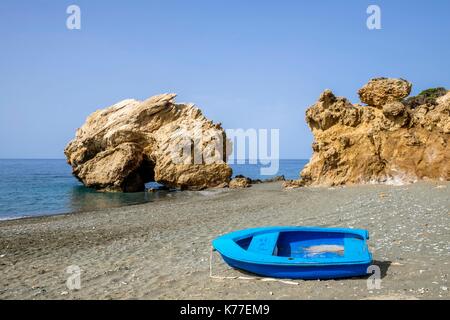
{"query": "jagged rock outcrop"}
(273, 179)
(386, 141)
(122, 147)
(240, 182)
(293, 184)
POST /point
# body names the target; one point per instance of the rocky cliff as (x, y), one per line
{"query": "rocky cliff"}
(126, 145)
(388, 140)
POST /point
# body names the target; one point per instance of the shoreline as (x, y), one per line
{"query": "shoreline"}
(161, 250)
(41, 215)
(185, 192)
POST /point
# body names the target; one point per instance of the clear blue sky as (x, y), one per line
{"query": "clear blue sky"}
(247, 64)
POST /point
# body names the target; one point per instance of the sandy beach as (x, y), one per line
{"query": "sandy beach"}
(161, 250)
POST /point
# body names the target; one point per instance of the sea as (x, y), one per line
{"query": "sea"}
(47, 187)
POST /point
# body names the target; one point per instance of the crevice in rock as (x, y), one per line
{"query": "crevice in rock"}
(136, 180)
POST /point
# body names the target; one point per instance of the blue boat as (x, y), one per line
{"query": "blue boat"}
(297, 252)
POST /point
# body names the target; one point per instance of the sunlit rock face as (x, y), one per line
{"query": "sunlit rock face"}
(130, 143)
(385, 141)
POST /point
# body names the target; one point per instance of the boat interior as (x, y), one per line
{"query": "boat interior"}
(298, 244)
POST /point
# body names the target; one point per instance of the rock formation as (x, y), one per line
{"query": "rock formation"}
(240, 182)
(273, 179)
(126, 145)
(293, 184)
(389, 140)
(380, 91)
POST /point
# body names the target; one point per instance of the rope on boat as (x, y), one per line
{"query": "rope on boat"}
(244, 278)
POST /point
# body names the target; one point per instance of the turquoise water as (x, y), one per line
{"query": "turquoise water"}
(287, 167)
(44, 187)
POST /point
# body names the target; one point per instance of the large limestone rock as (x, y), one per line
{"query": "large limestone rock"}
(386, 141)
(122, 147)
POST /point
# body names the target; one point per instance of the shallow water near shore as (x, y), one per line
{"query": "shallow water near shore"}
(46, 187)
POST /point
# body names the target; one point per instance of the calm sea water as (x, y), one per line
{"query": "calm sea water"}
(44, 187)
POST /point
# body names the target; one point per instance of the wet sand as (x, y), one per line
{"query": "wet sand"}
(161, 250)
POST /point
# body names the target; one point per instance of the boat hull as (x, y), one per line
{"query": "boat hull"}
(300, 272)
